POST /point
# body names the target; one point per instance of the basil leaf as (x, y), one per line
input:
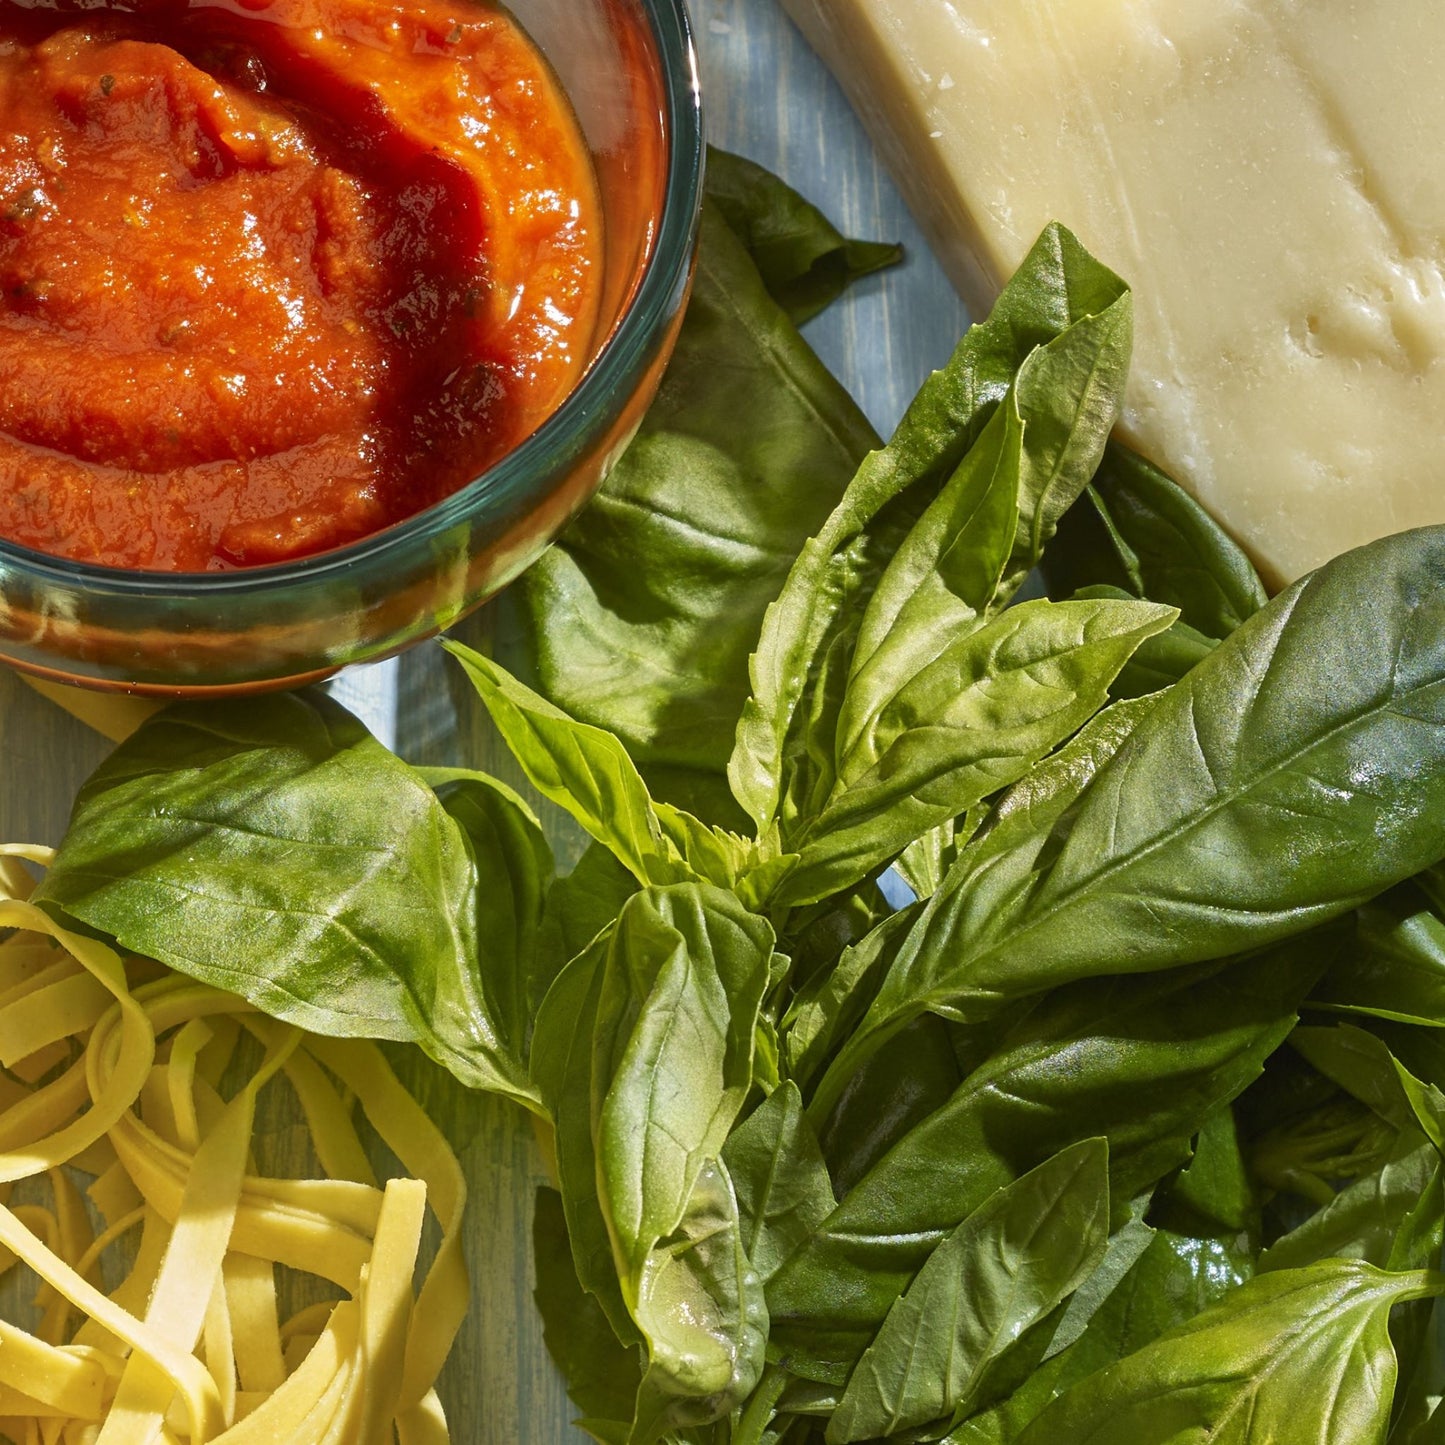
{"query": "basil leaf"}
(1126, 1247)
(828, 1008)
(280, 852)
(970, 723)
(816, 937)
(1363, 1064)
(1214, 1190)
(587, 771)
(1397, 970)
(514, 870)
(641, 617)
(1235, 811)
(1417, 1416)
(1003, 860)
(1139, 530)
(782, 1184)
(1304, 1158)
(908, 1079)
(755, 1422)
(1298, 1355)
(644, 1054)
(923, 864)
(672, 1054)
(602, 1375)
(1001, 1271)
(1159, 661)
(1391, 1217)
(562, 1067)
(816, 615)
(803, 260)
(578, 907)
(1174, 1278)
(941, 581)
(984, 531)
(1141, 1061)
(701, 1308)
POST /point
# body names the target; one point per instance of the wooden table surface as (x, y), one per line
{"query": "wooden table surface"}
(767, 97)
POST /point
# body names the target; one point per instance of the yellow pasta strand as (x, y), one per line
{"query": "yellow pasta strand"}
(251, 1298)
(63, 1379)
(188, 1349)
(387, 1305)
(135, 1052)
(422, 1148)
(184, 1369)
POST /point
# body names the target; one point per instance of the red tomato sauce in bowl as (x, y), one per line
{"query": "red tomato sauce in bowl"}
(276, 274)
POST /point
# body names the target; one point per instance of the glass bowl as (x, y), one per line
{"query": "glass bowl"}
(630, 71)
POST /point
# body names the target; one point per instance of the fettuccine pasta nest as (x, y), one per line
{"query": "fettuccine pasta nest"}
(115, 1069)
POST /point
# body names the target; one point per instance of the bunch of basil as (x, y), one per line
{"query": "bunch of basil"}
(1047, 1152)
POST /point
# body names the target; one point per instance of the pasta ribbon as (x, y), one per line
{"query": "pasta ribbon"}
(152, 1085)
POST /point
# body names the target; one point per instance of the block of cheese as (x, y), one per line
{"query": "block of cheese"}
(1269, 175)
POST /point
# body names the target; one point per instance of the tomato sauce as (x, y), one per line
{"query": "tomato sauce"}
(276, 273)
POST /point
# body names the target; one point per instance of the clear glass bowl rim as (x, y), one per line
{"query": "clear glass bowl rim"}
(507, 485)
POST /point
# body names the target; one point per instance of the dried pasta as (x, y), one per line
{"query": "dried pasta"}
(122, 1071)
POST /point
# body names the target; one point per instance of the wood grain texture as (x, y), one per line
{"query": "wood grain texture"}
(768, 97)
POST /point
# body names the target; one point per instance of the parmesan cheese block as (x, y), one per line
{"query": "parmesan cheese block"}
(1269, 178)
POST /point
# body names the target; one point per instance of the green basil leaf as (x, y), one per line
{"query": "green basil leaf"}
(1391, 1217)
(756, 1421)
(1362, 1063)
(816, 938)
(1001, 1271)
(1235, 812)
(1141, 531)
(1397, 969)
(672, 1054)
(278, 851)
(969, 724)
(828, 1008)
(667, 1024)
(923, 864)
(1004, 859)
(587, 771)
(1305, 1156)
(641, 617)
(804, 262)
(1214, 1194)
(782, 1184)
(909, 1078)
(701, 1308)
(514, 870)
(1301, 1355)
(1141, 1061)
(1159, 661)
(942, 579)
(578, 906)
(1126, 1247)
(984, 531)
(1070, 393)
(1173, 1280)
(562, 1067)
(817, 613)
(602, 1375)
(1418, 1417)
